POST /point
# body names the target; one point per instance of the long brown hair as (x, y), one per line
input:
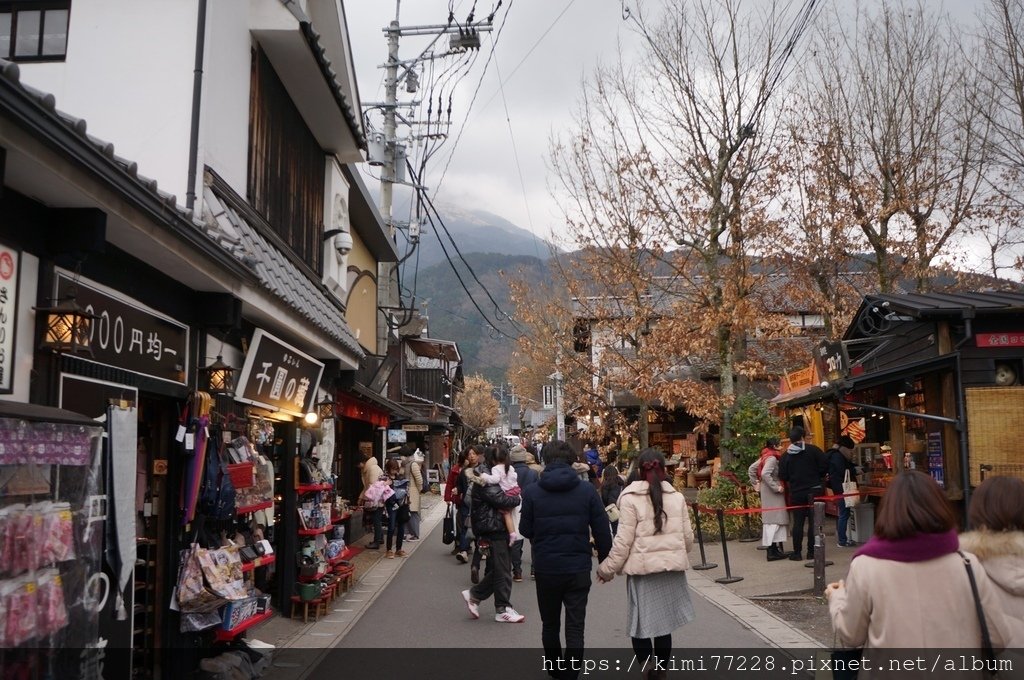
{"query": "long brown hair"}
(651, 467)
(913, 503)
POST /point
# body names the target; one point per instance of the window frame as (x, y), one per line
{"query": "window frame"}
(14, 7)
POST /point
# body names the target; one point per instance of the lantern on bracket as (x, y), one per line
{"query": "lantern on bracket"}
(68, 328)
(218, 377)
(325, 408)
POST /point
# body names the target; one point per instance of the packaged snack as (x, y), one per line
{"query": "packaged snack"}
(23, 541)
(7, 521)
(52, 614)
(58, 542)
(20, 621)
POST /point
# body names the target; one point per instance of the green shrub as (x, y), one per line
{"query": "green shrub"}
(726, 495)
(752, 423)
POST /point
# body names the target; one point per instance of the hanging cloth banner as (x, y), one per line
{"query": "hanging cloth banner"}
(123, 426)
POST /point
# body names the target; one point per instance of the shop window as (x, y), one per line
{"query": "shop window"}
(34, 31)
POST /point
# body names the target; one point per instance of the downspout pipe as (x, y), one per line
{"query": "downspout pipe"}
(961, 427)
(197, 96)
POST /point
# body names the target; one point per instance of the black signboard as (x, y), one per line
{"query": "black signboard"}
(129, 335)
(278, 376)
(831, 360)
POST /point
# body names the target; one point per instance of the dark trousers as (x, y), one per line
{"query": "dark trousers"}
(378, 525)
(396, 528)
(842, 522)
(661, 647)
(803, 497)
(517, 555)
(555, 592)
(497, 578)
(463, 528)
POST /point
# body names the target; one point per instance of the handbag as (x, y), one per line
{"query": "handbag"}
(986, 642)
(448, 527)
(613, 512)
(850, 486)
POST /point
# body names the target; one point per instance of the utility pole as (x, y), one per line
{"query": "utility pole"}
(559, 406)
(389, 152)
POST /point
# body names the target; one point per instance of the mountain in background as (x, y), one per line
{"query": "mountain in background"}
(485, 345)
(477, 231)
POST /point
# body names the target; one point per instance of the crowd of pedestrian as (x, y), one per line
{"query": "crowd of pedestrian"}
(578, 506)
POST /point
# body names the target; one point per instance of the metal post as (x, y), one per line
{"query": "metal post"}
(819, 562)
(728, 578)
(704, 564)
(748, 535)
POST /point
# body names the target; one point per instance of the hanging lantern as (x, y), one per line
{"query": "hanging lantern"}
(218, 376)
(325, 408)
(68, 328)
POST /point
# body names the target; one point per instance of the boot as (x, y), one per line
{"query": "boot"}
(774, 554)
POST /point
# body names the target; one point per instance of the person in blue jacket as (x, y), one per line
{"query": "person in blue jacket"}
(594, 461)
(559, 515)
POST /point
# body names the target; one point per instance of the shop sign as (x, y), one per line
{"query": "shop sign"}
(416, 428)
(830, 358)
(798, 380)
(934, 448)
(397, 437)
(9, 271)
(278, 376)
(128, 335)
(1008, 339)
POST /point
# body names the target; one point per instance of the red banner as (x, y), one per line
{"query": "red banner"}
(1008, 339)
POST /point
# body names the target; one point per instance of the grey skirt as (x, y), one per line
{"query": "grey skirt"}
(658, 603)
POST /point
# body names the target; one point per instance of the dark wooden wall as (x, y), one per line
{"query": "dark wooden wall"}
(286, 165)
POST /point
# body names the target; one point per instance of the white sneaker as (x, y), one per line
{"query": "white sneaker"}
(474, 607)
(509, 616)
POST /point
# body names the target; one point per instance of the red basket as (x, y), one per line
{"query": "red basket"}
(241, 475)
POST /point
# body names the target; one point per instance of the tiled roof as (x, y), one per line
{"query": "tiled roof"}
(275, 271)
(239, 240)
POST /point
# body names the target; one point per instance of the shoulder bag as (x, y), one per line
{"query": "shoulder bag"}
(986, 642)
(850, 486)
(448, 533)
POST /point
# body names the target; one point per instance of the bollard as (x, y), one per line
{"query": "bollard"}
(704, 564)
(748, 536)
(819, 562)
(728, 578)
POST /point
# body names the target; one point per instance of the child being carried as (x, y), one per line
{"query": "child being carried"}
(504, 475)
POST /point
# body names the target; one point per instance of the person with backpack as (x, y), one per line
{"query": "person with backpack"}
(611, 487)
(396, 507)
(526, 476)
(802, 467)
(371, 473)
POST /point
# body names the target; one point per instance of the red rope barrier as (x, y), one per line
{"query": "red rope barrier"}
(751, 511)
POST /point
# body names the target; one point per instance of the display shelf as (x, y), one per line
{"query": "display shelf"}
(341, 518)
(310, 488)
(246, 509)
(311, 579)
(227, 635)
(259, 562)
(315, 532)
(342, 556)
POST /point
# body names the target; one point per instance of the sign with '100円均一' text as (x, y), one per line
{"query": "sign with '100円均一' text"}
(127, 334)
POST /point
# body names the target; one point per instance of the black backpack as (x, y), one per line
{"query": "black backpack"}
(217, 500)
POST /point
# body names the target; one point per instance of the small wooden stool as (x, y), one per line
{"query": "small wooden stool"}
(346, 577)
(319, 607)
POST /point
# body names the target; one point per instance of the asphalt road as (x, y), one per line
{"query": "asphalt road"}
(419, 627)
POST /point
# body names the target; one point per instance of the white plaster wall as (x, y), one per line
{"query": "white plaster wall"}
(224, 137)
(24, 349)
(128, 72)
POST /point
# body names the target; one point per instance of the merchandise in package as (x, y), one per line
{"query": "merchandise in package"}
(52, 614)
(20, 622)
(58, 543)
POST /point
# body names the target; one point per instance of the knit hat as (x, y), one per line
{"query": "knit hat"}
(517, 454)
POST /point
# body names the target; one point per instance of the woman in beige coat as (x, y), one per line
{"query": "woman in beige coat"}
(413, 464)
(908, 587)
(997, 513)
(650, 548)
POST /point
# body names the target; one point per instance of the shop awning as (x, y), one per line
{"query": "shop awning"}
(42, 414)
(395, 409)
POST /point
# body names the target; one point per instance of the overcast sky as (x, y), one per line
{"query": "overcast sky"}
(539, 96)
(543, 52)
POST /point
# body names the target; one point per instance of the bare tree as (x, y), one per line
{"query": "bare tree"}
(901, 133)
(476, 404)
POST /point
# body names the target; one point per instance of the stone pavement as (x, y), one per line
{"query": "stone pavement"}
(300, 647)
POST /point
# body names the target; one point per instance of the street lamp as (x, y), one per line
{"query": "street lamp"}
(68, 328)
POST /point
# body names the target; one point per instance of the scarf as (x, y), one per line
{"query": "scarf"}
(766, 453)
(920, 547)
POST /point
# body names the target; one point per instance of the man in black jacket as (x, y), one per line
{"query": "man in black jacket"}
(560, 512)
(840, 461)
(489, 526)
(802, 467)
